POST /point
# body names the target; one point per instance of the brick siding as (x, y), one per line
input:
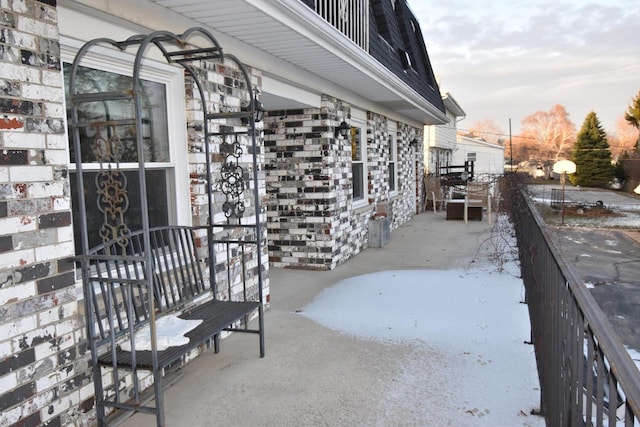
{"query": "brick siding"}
(43, 364)
(311, 219)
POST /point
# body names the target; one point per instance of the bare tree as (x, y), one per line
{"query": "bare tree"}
(633, 117)
(487, 130)
(623, 140)
(523, 149)
(551, 131)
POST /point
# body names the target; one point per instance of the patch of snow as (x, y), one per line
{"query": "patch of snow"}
(475, 318)
(628, 220)
(635, 355)
(170, 331)
(572, 240)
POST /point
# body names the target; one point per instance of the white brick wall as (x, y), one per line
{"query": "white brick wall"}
(24, 140)
(39, 326)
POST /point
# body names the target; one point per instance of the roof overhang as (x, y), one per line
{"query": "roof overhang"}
(452, 105)
(462, 139)
(290, 43)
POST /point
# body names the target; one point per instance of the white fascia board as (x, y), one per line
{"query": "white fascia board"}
(452, 105)
(474, 142)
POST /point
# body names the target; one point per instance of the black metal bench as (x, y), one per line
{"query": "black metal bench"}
(119, 301)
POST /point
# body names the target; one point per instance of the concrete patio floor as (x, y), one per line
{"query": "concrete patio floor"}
(314, 376)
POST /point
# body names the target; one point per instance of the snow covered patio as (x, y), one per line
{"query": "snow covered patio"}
(427, 331)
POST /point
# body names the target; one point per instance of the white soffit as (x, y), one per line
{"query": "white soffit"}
(290, 31)
(279, 95)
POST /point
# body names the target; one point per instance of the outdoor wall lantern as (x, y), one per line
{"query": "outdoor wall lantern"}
(413, 142)
(343, 129)
(259, 109)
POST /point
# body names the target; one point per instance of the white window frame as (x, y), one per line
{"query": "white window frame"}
(358, 120)
(172, 77)
(393, 158)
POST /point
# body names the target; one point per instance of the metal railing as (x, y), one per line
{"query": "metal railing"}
(351, 17)
(587, 378)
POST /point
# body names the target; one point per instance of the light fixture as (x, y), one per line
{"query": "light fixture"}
(564, 167)
(259, 110)
(413, 142)
(343, 129)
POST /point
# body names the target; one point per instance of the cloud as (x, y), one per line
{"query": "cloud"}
(509, 59)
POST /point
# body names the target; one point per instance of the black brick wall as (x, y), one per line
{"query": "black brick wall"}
(17, 395)
(61, 219)
(54, 283)
(16, 361)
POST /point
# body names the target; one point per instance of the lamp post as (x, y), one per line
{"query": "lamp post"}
(563, 167)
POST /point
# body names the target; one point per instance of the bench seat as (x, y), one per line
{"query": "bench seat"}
(217, 316)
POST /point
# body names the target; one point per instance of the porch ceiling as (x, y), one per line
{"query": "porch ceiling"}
(292, 32)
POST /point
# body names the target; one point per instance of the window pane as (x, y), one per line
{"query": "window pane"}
(392, 162)
(358, 181)
(357, 166)
(392, 177)
(156, 199)
(114, 141)
(356, 144)
(154, 118)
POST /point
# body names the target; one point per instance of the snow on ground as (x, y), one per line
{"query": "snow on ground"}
(630, 211)
(628, 220)
(471, 323)
(635, 355)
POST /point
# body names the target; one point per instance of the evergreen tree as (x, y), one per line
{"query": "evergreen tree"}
(591, 155)
(632, 116)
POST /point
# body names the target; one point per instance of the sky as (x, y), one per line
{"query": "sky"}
(506, 59)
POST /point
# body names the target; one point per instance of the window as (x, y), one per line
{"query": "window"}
(165, 163)
(393, 154)
(357, 163)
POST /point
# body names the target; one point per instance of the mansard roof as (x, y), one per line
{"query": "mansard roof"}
(395, 39)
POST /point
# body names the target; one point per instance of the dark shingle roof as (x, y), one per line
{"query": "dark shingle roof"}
(396, 41)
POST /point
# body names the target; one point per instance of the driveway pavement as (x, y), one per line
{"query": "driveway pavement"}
(609, 263)
(607, 259)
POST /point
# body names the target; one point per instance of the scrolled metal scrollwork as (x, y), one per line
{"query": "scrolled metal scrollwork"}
(231, 182)
(233, 209)
(111, 189)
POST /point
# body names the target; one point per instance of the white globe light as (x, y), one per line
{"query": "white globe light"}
(564, 166)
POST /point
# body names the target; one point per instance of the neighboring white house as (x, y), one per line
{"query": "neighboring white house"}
(487, 157)
(440, 140)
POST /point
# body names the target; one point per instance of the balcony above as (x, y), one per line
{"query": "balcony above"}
(326, 40)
